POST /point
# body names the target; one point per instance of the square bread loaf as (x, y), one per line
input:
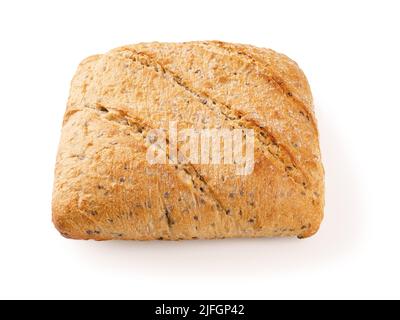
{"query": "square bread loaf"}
(105, 187)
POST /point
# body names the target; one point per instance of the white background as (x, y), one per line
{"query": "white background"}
(350, 53)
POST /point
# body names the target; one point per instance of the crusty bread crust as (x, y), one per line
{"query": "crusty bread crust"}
(105, 188)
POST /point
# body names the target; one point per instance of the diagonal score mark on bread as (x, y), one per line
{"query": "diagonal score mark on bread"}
(120, 116)
(244, 53)
(264, 135)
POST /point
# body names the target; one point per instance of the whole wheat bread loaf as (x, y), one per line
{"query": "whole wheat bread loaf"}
(105, 188)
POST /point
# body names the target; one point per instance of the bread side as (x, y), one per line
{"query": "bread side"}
(104, 186)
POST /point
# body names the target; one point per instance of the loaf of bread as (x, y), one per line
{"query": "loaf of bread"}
(105, 186)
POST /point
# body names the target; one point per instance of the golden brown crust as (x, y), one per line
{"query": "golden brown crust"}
(105, 188)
